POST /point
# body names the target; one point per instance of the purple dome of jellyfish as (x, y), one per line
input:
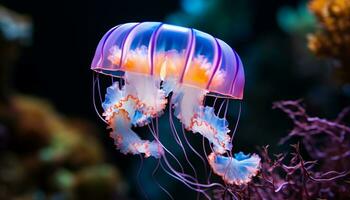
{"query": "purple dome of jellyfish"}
(156, 65)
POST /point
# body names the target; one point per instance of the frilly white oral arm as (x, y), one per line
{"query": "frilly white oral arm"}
(235, 170)
(126, 107)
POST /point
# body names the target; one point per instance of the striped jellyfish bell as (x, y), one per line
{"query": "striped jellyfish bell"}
(155, 49)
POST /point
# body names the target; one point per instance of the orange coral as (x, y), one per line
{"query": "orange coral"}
(332, 40)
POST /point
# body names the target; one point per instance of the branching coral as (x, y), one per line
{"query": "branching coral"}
(289, 176)
(323, 139)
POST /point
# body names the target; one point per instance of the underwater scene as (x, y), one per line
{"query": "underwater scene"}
(175, 99)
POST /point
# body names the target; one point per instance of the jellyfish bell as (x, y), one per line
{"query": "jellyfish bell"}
(153, 60)
(154, 49)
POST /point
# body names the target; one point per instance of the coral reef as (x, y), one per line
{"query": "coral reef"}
(46, 154)
(332, 40)
(325, 174)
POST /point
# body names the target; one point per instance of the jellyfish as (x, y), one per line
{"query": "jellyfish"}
(153, 66)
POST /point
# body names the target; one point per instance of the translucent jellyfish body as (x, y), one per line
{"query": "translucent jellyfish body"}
(158, 65)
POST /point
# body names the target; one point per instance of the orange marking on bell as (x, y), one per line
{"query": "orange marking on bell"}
(167, 64)
(163, 69)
